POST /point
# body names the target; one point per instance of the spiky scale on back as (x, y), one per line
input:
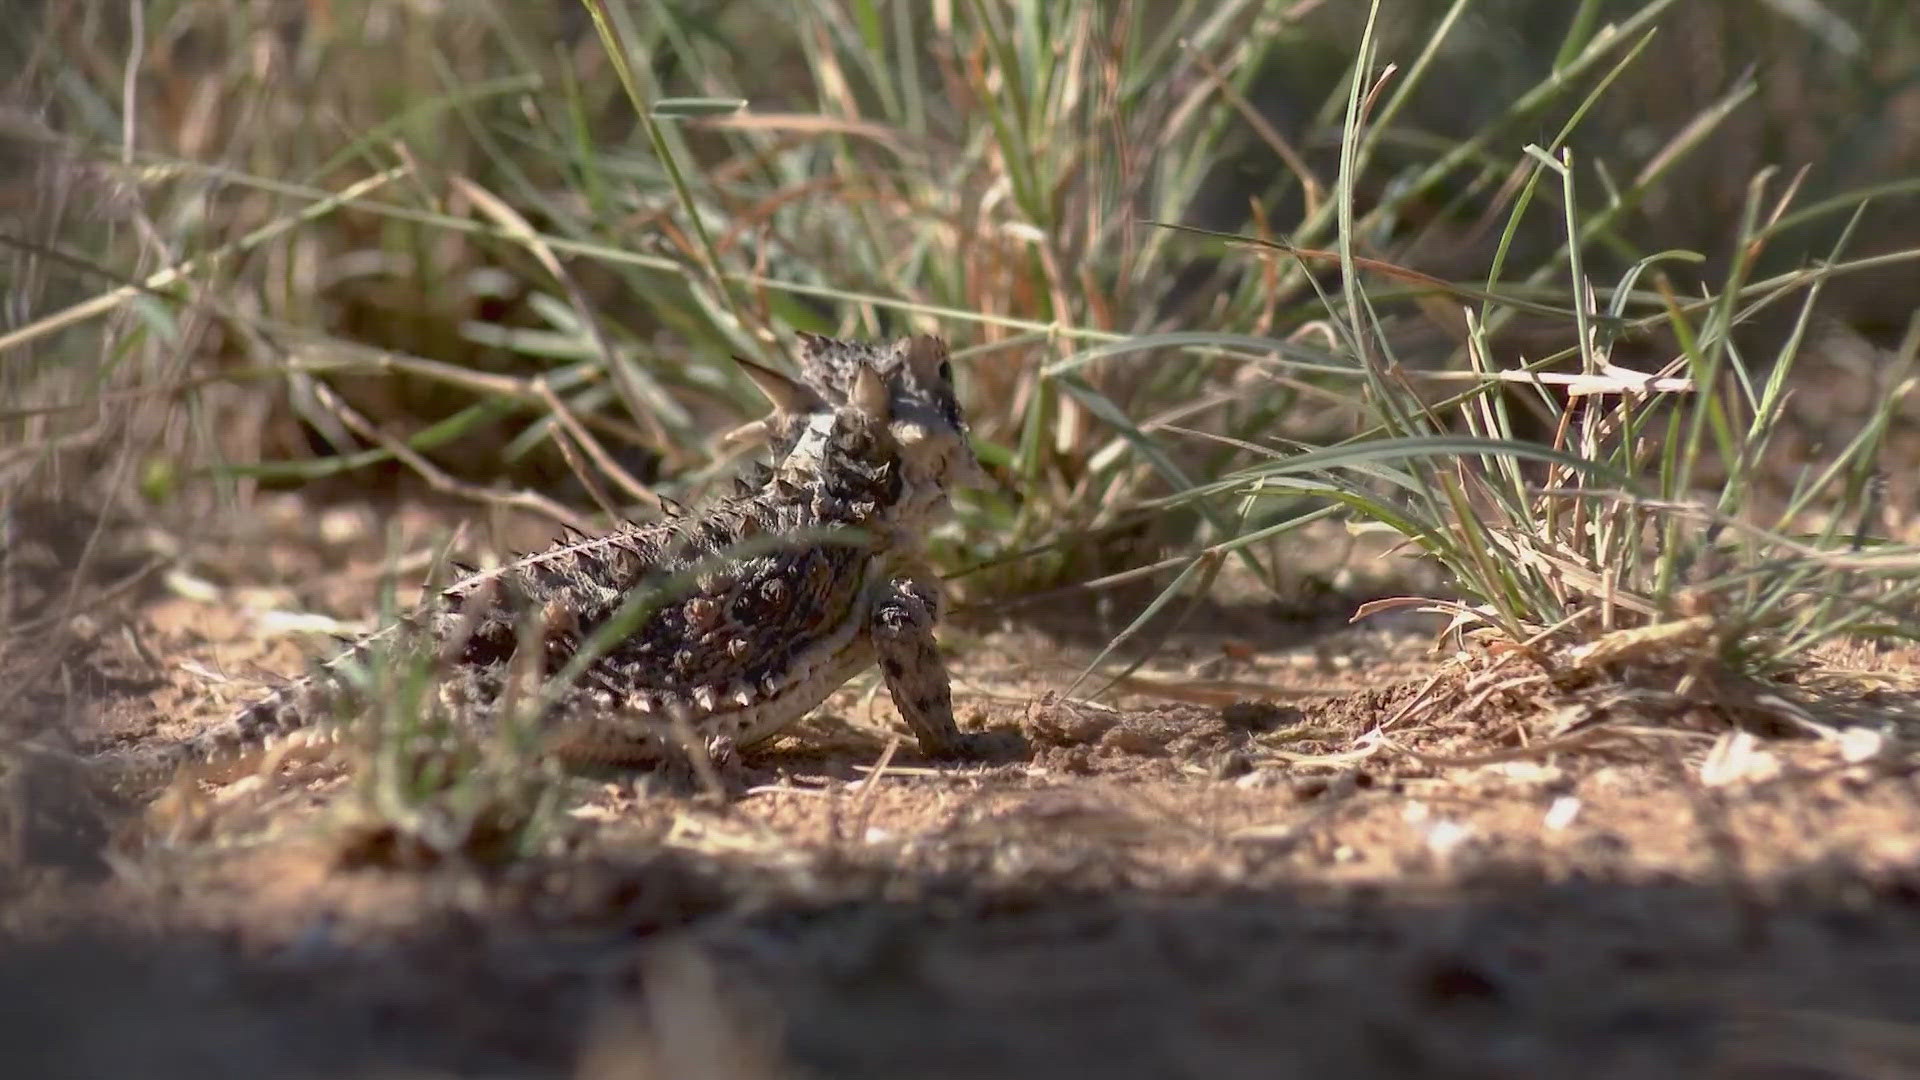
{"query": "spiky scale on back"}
(762, 603)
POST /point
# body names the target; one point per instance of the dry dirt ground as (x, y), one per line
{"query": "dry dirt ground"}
(1251, 861)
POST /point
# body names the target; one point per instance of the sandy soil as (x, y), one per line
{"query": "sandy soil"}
(1287, 847)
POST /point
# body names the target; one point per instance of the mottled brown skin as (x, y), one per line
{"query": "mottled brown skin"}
(754, 609)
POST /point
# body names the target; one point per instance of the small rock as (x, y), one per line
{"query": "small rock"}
(1261, 779)
(1561, 813)
(1858, 744)
(1445, 837)
(1737, 758)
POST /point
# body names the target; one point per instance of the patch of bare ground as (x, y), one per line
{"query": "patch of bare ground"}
(1283, 847)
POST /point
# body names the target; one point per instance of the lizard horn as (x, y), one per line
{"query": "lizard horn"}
(787, 395)
(870, 394)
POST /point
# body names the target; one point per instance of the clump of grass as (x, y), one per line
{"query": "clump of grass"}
(522, 260)
(436, 779)
(1636, 537)
(431, 785)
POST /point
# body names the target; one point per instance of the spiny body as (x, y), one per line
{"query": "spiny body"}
(751, 612)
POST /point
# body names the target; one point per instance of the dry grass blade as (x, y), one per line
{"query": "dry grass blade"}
(441, 481)
(518, 228)
(172, 275)
(811, 124)
(601, 459)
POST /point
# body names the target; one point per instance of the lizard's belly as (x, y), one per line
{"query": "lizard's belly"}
(765, 719)
(812, 674)
(735, 703)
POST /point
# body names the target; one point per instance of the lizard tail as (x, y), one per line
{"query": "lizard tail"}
(256, 725)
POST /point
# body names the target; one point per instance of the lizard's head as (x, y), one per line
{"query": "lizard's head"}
(905, 385)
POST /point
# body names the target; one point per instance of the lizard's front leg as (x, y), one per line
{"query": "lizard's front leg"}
(901, 620)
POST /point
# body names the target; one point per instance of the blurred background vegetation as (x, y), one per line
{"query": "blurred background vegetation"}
(345, 243)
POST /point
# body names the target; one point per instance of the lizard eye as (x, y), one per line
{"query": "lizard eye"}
(946, 371)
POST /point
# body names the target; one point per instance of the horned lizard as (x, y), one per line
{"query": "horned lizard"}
(746, 615)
